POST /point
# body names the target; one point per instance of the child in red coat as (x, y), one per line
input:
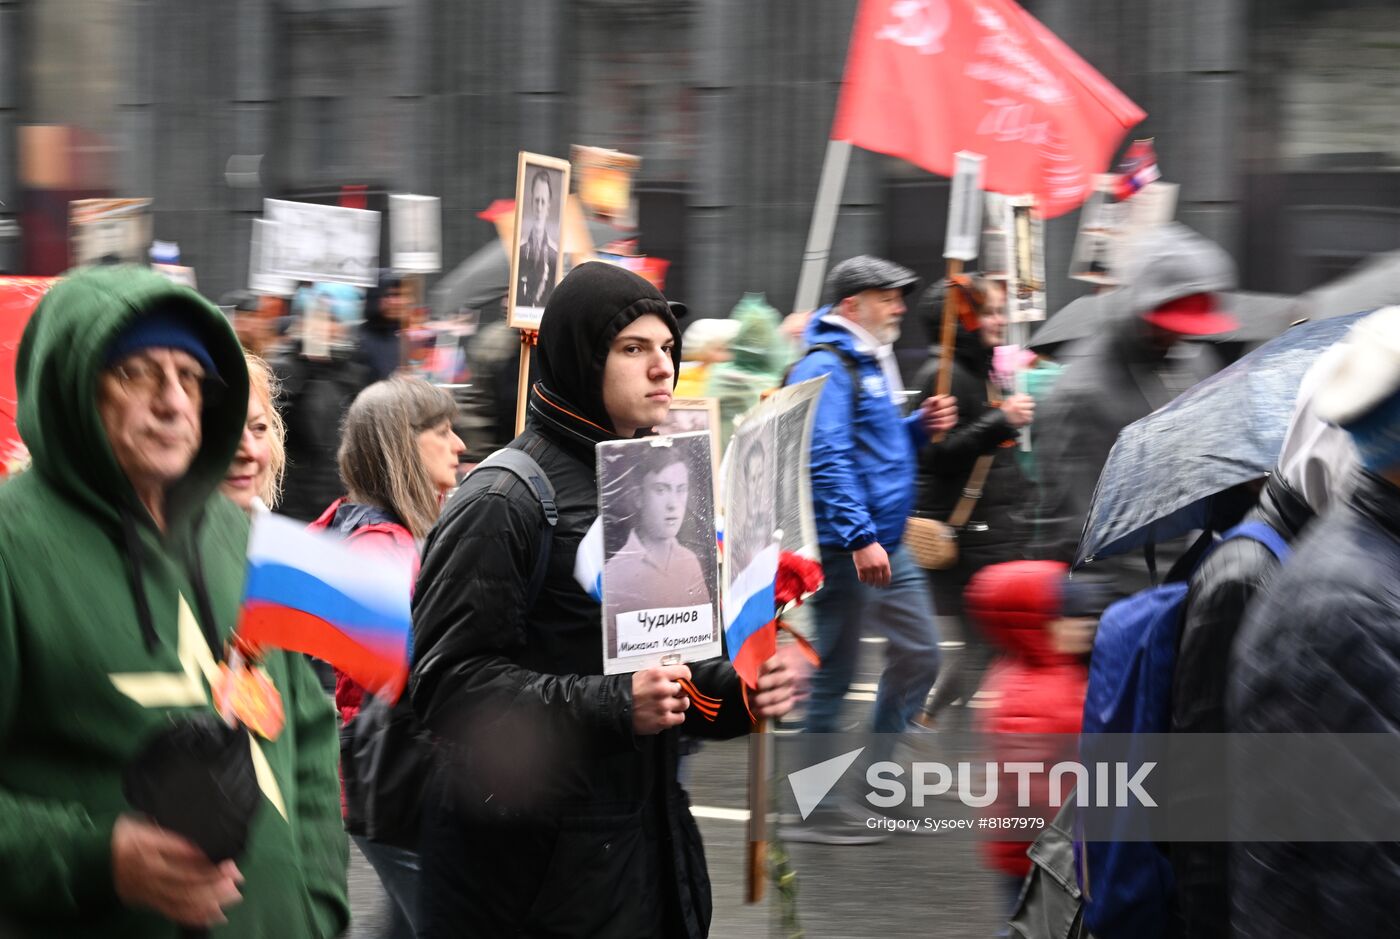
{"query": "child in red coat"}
(1044, 624)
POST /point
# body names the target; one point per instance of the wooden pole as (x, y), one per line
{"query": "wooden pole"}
(528, 338)
(950, 328)
(950, 333)
(756, 860)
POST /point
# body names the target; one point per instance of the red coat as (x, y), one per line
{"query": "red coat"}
(1037, 689)
(377, 538)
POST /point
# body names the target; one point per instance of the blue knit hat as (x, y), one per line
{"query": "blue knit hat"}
(1377, 435)
(160, 329)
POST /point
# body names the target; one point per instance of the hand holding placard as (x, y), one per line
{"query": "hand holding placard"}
(658, 701)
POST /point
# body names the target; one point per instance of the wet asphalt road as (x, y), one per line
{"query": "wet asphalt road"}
(927, 885)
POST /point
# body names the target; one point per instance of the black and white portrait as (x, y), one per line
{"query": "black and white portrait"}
(755, 499)
(541, 190)
(328, 243)
(766, 492)
(690, 415)
(415, 233)
(659, 572)
(696, 415)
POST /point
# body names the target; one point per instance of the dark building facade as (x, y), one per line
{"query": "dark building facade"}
(1278, 119)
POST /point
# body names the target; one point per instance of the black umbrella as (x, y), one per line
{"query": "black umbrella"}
(196, 779)
(475, 284)
(1373, 284)
(1226, 430)
(1261, 316)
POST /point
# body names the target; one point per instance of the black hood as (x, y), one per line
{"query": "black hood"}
(375, 320)
(584, 314)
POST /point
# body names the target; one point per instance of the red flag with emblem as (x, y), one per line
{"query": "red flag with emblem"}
(927, 78)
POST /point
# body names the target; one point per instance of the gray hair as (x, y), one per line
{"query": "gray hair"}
(379, 459)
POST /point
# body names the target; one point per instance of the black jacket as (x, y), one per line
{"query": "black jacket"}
(996, 531)
(316, 393)
(1319, 652)
(1220, 591)
(1118, 379)
(380, 348)
(551, 818)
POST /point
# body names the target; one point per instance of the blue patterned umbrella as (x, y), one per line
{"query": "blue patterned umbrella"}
(1224, 431)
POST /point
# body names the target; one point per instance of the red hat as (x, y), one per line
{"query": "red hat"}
(1193, 315)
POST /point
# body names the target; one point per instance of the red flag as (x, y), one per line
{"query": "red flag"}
(18, 298)
(926, 78)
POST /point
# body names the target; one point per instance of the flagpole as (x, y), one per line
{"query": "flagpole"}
(823, 227)
(755, 861)
(960, 245)
(950, 327)
(528, 339)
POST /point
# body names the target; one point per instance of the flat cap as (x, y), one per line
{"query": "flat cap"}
(866, 272)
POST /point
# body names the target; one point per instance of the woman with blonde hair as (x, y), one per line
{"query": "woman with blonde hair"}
(261, 459)
(398, 460)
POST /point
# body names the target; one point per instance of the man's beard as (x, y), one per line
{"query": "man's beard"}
(887, 334)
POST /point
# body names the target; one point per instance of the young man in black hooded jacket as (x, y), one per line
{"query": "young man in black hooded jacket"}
(555, 809)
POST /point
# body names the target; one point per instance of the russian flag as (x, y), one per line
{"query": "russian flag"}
(588, 562)
(750, 610)
(309, 592)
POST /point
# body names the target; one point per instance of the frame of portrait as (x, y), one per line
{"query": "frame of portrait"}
(660, 570)
(534, 271)
(691, 415)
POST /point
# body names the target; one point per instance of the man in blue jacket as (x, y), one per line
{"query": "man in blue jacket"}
(863, 464)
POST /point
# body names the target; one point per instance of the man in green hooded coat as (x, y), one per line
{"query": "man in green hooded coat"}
(121, 572)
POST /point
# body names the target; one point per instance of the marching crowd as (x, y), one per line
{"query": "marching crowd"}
(544, 796)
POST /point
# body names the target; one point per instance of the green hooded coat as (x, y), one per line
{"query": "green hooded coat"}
(86, 679)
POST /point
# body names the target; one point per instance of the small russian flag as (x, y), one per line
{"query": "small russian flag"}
(588, 562)
(750, 609)
(309, 592)
(1138, 169)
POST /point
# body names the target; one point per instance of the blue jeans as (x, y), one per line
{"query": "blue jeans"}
(1011, 894)
(902, 612)
(398, 870)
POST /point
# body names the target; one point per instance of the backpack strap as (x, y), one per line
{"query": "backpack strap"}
(850, 363)
(1263, 533)
(524, 467)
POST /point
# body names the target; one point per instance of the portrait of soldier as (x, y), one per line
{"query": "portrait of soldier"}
(539, 253)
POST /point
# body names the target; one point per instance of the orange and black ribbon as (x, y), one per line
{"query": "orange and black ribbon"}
(706, 705)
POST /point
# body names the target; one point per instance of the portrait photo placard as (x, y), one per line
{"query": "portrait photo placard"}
(323, 243)
(695, 415)
(765, 492)
(536, 249)
(1025, 288)
(660, 577)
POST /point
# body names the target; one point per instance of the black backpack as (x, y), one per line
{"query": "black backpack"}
(386, 757)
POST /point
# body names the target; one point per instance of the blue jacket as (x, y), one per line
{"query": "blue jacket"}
(862, 470)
